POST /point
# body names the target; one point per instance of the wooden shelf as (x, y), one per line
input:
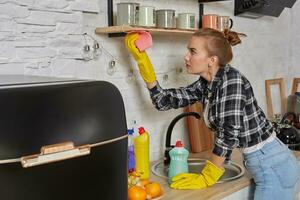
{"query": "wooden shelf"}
(210, 1)
(128, 28)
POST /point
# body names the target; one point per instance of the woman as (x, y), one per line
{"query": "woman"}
(231, 111)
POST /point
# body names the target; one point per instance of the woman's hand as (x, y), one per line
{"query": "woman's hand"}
(209, 176)
(142, 59)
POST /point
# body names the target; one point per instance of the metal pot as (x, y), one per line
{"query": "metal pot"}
(147, 16)
(165, 19)
(186, 21)
(127, 13)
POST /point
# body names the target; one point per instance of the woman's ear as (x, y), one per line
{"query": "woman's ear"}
(214, 60)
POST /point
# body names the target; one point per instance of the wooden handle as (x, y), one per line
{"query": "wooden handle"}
(54, 148)
(54, 153)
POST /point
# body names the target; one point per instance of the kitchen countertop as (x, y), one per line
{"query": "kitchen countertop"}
(218, 191)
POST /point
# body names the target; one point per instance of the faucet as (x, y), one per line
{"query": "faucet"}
(168, 146)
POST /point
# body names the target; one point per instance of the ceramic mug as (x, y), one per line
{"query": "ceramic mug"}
(210, 21)
(127, 13)
(147, 16)
(224, 22)
(186, 21)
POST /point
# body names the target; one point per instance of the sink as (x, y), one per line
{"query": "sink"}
(232, 170)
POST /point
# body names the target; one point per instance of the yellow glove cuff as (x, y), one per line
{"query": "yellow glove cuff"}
(212, 173)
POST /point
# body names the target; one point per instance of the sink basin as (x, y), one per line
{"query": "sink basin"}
(232, 170)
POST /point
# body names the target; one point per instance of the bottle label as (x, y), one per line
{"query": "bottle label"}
(179, 157)
(131, 160)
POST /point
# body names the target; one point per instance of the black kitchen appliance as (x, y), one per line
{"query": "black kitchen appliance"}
(61, 139)
(270, 7)
(286, 131)
(243, 8)
(258, 8)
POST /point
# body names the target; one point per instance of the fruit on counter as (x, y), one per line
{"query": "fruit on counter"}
(144, 182)
(153, 189)
(134, 179)
(136, 193)
(142, 189)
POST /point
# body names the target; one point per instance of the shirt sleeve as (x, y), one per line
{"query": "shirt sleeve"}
(165, 99)
(230, 108)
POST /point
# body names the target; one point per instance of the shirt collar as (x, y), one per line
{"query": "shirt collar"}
(217, 80)
(219, 76)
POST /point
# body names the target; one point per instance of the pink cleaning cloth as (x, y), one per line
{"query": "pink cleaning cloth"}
(144, 41)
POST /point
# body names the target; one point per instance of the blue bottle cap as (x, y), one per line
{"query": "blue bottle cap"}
(130, 131)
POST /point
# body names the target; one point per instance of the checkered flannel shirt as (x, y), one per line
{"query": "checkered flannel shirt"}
(234, 116)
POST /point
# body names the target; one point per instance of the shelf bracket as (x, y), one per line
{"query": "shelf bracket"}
(201, 10)
(110, 18)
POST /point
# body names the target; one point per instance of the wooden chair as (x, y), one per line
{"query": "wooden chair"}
(281, 84)
(296, 81)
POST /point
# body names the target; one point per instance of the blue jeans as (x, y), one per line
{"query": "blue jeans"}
(275, 171)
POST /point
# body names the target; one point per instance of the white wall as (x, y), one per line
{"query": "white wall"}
(43, 37)
(294, 41)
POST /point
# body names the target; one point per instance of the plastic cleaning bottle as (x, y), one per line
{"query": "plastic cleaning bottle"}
(130, 158)
(141, 150)
(178, 163)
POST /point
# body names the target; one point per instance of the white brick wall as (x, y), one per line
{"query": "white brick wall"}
(294, 42)
(41, 38)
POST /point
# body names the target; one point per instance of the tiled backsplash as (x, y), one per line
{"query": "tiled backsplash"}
(44, 38)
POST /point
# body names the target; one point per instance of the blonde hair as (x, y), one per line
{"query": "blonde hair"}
(219, 43)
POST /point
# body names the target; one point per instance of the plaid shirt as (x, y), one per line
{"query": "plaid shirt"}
(234, 116)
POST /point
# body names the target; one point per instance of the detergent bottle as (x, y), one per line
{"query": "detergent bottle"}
(141, 150)
(178, 163)
(131, 159)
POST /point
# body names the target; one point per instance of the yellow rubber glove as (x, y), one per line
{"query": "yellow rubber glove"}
(209, 176)
(142, 59)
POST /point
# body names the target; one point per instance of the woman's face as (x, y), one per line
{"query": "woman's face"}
(197, 59)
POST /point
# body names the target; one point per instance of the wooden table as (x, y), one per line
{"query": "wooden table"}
(218, 191)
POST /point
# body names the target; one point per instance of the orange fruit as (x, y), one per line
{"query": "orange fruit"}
(144, 182)
(153, 189)
(136, 193)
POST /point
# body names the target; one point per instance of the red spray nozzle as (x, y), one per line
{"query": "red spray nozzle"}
(141, 130)
(178, 143)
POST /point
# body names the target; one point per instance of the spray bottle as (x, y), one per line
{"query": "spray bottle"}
(130, 158)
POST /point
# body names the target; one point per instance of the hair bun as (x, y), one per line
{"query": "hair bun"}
(233, 37)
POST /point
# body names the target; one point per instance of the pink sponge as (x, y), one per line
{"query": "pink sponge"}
(144, 41)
